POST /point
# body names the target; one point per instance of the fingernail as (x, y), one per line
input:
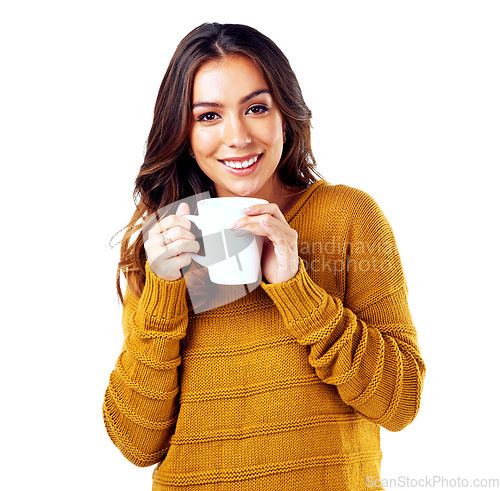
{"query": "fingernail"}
(248, 210)
(234, 225)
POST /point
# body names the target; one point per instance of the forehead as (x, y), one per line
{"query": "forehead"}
(232, 77)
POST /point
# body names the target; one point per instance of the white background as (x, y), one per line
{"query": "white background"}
(405, 102)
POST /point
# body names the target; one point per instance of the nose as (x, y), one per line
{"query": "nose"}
(236, 134)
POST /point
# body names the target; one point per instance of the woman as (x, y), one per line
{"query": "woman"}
(285, 388)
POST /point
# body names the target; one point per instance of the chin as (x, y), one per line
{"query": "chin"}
(247, 191)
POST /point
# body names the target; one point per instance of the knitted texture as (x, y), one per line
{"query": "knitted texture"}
(287, 387)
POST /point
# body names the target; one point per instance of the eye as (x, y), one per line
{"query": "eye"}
(207, 117)
(258, 109)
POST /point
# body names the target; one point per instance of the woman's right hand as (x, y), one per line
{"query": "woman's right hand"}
(166, 261)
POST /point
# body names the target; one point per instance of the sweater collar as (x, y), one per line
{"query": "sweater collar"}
(297, 206)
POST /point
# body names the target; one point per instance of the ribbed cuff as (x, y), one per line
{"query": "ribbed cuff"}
(162, 301)
(304, 306)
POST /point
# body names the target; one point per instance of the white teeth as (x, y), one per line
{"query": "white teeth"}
(241, 165)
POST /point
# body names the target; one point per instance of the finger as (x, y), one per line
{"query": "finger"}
(170, 251)
(256, 228)
(182, 209)
(171, 235)
(170, 222)
(183, 246)
(261, 208)
(265, 219)
(264, 212)
(170, 267)
(275, 230)
(241, 232)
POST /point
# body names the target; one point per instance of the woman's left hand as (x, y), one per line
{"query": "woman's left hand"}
(280, 258)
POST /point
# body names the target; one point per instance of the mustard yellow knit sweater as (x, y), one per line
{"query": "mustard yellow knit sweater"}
(287, 387)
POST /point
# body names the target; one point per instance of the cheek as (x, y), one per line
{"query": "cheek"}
(271, 133)
(204, 140)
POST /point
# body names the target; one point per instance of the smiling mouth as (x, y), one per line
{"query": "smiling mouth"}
(241, 165)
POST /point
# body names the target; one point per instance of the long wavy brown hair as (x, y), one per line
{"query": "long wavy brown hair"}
(169, 173)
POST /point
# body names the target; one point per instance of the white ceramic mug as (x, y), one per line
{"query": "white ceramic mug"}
(231, 260)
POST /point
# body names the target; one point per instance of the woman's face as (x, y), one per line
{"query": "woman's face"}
(235, 121)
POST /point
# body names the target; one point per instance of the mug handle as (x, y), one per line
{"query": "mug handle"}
(203, 260)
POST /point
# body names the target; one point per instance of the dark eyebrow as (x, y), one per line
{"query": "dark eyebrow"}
(245, 99)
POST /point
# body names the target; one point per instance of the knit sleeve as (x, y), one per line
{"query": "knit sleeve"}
(141, 401)
(365, 343)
